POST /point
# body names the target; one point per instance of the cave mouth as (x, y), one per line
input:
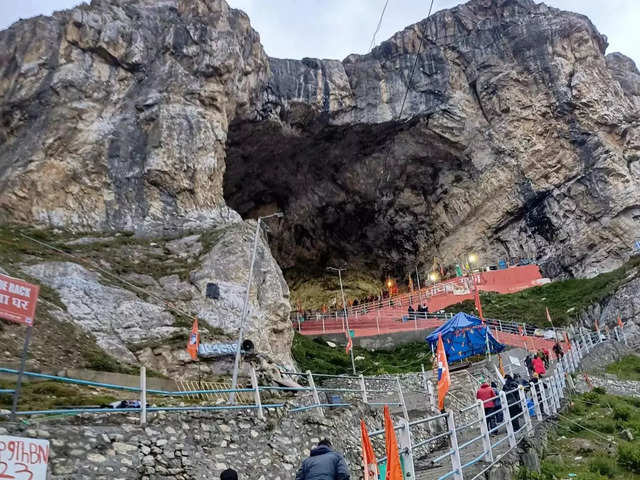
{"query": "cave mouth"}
(356, 194)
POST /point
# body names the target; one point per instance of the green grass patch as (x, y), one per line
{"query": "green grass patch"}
(627, 368)
(591, 441)
(565, 298)
(317, 356)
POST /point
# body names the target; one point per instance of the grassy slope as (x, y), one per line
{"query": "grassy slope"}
(317, 356)
(627, 368)
(565, 298)
(594, 456)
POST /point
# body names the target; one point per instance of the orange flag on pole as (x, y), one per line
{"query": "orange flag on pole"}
(566, 339)
(369, 461)
(500, 365)
(394, 467)
(444, 380)
(349, 343)
(194, 340)
(548, 316)
(620, 322)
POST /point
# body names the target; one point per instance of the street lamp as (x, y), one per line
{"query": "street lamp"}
(346, 318)
(433, 276)
(473, 258)
(245, 307)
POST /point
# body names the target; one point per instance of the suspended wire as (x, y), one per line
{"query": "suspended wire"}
(406, 93)
(373, 39)
(415, 63)
(167, 303)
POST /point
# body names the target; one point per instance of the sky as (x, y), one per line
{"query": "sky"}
(336, 28)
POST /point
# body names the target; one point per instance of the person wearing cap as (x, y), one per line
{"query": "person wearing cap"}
(229, 474)
(324, 463)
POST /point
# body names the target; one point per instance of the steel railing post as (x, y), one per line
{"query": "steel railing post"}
(507, 419)
(378, 320)
(484, 430)
(143, 396)
(456, 464)
(550, 401)
(406, 449)
(536, 401)
(405, 412)
(256, 393)
(432, 397)
(525, 409)
(314, 391)
(323, 329)
(363, 387)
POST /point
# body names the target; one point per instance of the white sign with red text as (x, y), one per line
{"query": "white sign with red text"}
(23, 458)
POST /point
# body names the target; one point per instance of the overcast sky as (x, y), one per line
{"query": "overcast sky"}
(336, 28)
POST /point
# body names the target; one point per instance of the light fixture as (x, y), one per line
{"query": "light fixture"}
(473, 258)
(433, 276)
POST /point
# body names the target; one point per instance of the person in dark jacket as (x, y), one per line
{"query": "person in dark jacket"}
(324, 463)
(499, 416)
(529, 363)
(412, 312)
(511, 388)
(229, 474)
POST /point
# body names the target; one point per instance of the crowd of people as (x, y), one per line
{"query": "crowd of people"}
(490, 396)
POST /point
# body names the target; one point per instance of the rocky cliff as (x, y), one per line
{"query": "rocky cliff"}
(114, 119)
(515, 137)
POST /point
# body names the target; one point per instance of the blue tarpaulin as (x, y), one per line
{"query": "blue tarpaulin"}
(464, 336)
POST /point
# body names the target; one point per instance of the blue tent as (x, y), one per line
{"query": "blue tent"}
(464, 336)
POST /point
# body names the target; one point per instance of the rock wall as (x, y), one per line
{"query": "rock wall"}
(517, 137)
(115, 114)
(194, 446)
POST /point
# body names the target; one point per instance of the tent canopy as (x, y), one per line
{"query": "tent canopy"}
(464, 336)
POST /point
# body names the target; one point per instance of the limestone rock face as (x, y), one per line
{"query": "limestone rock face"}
(515, 137)
(115, 115)
(143, 319)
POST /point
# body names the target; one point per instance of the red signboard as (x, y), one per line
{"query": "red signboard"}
(17, 300)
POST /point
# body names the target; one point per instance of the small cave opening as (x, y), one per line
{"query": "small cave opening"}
(356, 194)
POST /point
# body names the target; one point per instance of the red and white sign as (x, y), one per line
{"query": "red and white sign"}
(17, 300)
(23, 458)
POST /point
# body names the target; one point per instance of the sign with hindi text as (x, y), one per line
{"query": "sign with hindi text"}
(23, 458)
(17, 300)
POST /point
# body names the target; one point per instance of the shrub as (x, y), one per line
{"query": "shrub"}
(600, 390)
(622, 412)
(591, 396)
(604, 425)
(629, 456)
(603, 465)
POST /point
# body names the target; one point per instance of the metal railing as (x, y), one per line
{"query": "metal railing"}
(469, 448)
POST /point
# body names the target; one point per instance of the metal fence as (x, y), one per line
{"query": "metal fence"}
(466, 439)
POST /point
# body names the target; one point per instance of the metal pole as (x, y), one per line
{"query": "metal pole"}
(378, 319)
(419, 292)
(256, 393)
(245, 308)
(507, 419)
(346, 318)
(456, 464)
(484, 430)
(143, 396)
(363, 387)
(314, 392)
(16, 394)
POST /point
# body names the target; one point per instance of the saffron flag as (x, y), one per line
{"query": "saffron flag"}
(500, 365)
(478, 304)
(595, 323)
(368, 457)
(620, 322)
(410, 284)
(548, 316)
(194, 340)
(444, 380)
(349, 343)
(394, 468)
(566, 339)
(520, 330)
